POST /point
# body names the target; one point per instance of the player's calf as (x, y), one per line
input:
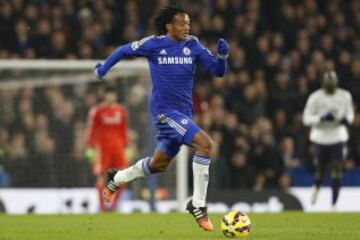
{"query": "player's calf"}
(116, 178)
(201, 161)
(336, 174)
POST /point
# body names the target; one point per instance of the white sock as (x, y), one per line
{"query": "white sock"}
(138, 170)
(201, 180)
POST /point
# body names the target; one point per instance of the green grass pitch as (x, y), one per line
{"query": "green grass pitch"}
(109, 226)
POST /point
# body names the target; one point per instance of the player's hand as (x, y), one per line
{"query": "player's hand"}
(97, 71)
(222, 48)
(329, 117)
(90, 154)
(344, 122)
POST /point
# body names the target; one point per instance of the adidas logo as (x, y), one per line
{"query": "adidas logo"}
(163, 52)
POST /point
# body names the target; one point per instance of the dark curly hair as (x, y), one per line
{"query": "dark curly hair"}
(165, 16)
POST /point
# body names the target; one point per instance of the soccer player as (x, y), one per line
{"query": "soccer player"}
(328, 111)
(107, 140)
(172, 55)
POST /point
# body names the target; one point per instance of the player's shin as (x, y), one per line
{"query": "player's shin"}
(336, 183)
(138, 170)
(100, 190)
(201, 180)
(116, 179)
(115, 199)
(319, 176)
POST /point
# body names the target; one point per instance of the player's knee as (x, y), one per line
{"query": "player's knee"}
(336, 171)
(160, 167)
(206, 146)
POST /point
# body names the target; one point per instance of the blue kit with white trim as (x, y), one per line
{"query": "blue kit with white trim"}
(172, 68)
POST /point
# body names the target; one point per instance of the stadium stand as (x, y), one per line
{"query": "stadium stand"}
(279, 50)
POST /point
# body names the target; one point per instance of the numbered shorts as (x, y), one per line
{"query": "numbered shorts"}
(174, 129)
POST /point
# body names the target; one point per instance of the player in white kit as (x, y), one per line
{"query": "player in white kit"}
(329, 111)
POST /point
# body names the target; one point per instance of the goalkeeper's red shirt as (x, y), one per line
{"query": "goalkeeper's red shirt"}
(107, 133)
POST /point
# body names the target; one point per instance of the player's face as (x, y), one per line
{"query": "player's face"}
(330, 84)
(110, 97)
(179, 28)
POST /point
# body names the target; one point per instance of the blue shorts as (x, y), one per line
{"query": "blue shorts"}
(174, 129)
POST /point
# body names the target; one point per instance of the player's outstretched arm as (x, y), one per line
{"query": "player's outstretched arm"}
(217, 65)
(137, 48)
(222, 50)
(100, 70)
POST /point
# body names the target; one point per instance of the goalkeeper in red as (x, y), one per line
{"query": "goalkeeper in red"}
(172, 55)
(107, 137)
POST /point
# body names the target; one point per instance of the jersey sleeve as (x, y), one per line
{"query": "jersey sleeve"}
(215, 65)
(124, 133)
(349, 109)
(141, 48)
(92, 128)
(310, 115)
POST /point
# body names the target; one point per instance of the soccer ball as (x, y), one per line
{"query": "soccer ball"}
(236, 224)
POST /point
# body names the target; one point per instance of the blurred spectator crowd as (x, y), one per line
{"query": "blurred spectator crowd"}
(279, 50)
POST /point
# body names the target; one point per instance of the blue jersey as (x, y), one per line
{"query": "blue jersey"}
(172, 68)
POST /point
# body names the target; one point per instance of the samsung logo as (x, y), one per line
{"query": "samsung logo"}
(174, 60)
